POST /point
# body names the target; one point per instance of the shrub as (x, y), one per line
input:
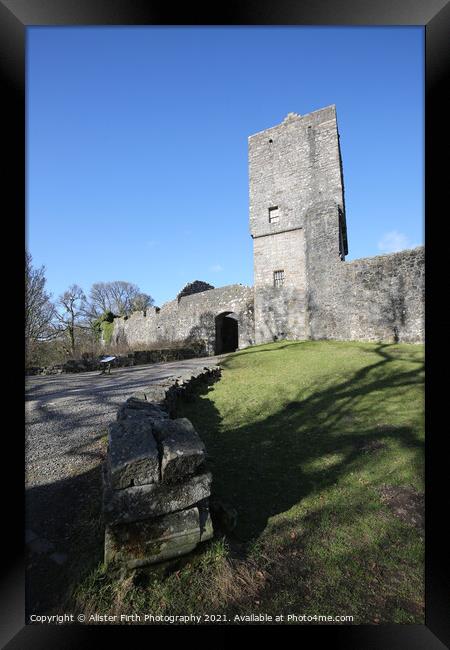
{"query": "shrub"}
(194, 287)
(107, 330)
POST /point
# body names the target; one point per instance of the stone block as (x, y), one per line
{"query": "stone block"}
(156, 540)
(186, 377)
(132, 454)
(143, 501)
(182, 451)
(167, 428)
(135, 408)
(156, 394)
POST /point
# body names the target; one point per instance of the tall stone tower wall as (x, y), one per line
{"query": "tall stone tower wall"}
(298, 225)
(293, 167)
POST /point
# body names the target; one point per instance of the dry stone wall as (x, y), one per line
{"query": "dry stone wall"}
(135, 358)
(156, 483)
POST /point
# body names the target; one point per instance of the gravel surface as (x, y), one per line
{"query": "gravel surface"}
(66, 415)
(66, 421)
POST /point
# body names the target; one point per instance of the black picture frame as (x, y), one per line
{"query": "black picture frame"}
(433, 15)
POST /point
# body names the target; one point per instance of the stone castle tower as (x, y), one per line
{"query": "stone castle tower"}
(303, 287)
(295, 173)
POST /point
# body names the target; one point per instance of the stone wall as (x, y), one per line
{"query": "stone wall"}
(295, 168)
(192, 318)
(371, 299)
(280, 311)
(292, 166)
(387, 297)
(156, 484)
(135, 358)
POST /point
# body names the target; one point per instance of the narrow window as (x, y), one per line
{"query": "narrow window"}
(274, 215)
(278, 278)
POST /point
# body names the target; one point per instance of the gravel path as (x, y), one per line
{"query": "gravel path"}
(66, 421)
(66, 415)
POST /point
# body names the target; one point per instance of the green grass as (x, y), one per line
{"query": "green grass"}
(107, 330)
(301, 436)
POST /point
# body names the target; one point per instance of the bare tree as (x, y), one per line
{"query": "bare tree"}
(39, 311)
(118, 297)
(99, 300)
(71, 314)
(141, 302)
(122, 296)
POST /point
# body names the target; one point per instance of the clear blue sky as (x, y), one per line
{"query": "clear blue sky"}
(137, 143)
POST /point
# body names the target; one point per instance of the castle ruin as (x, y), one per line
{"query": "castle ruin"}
(303, 287)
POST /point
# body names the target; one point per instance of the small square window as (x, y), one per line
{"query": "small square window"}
(274, 215)
(278, 278)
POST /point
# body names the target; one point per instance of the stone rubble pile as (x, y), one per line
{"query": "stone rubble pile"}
(156, 485)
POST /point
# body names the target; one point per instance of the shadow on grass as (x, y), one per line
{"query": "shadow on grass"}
(377, 582)
(259, 468)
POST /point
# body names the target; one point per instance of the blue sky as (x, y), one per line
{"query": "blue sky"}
(137, 143)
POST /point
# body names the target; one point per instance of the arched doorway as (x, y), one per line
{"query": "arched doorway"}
(227, 332)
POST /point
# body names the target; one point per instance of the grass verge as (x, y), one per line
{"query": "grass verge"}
(318, 445)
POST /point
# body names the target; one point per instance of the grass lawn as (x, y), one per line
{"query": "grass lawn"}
(318, 446)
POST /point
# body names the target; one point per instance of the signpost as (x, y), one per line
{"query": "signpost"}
(106, 361)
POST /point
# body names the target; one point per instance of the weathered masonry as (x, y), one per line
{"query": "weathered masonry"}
(156, 485)
(294, 167)
(303, 287)
(220, 319)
